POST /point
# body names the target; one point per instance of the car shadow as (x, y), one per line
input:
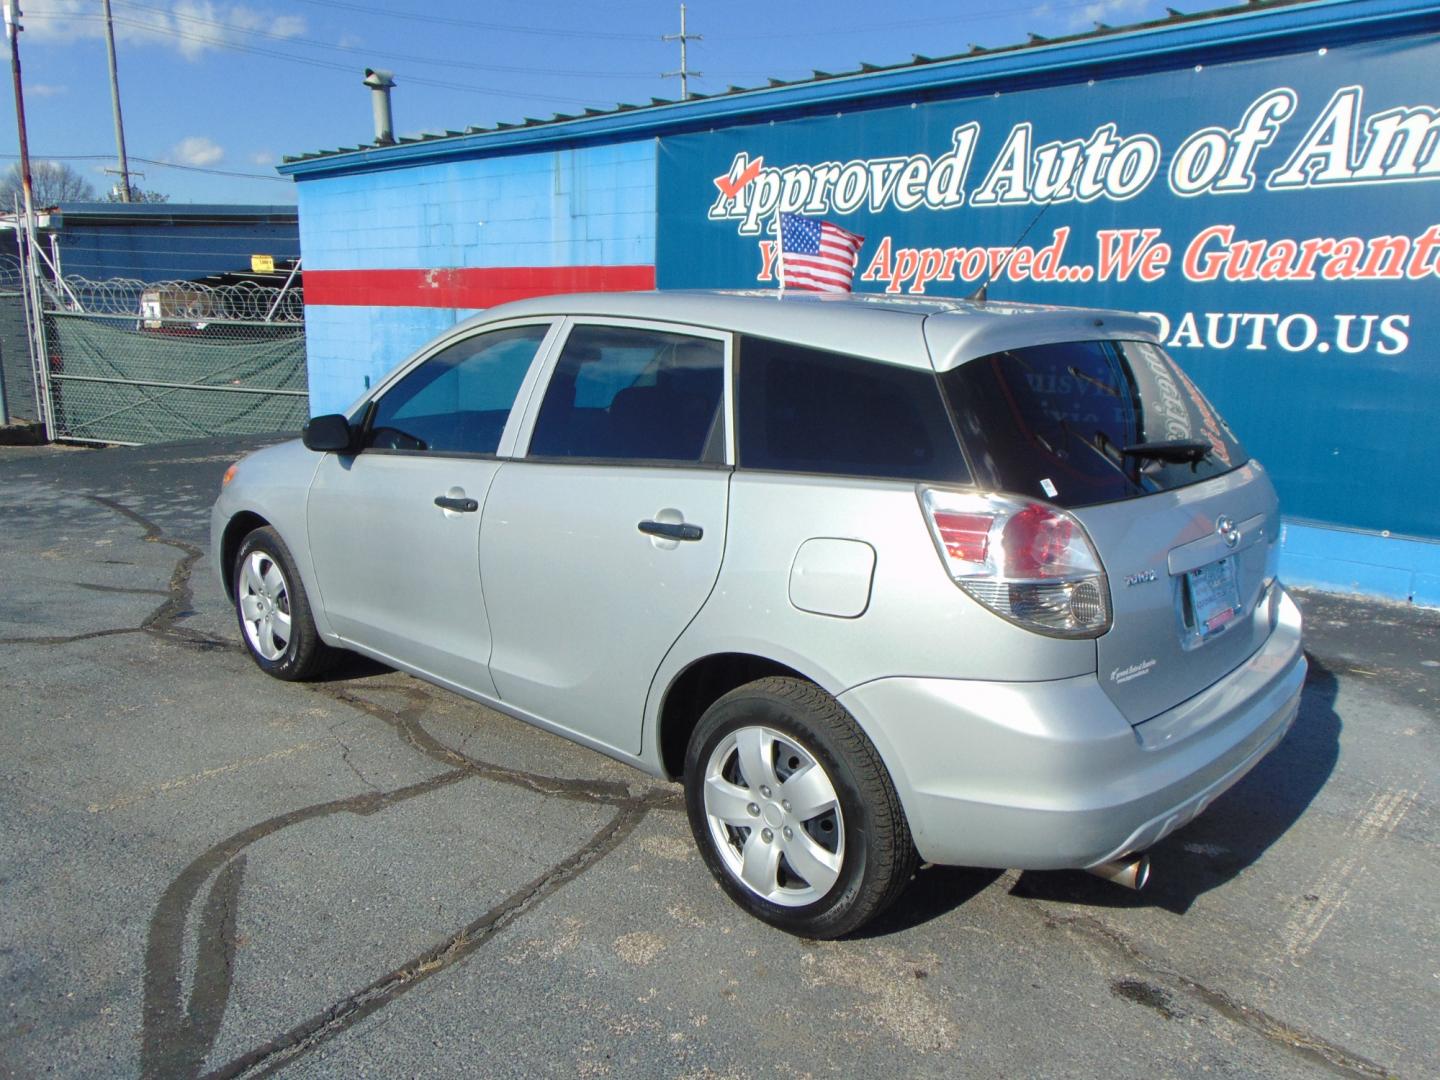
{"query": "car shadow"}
(1234, 832)
(934, 891)
(351, 665)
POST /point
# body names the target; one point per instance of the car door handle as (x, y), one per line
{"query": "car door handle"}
(461, 506)
(671, 530)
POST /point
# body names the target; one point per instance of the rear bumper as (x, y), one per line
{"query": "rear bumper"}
(1050, 775)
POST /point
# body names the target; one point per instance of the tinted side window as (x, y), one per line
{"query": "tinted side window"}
(622, 393)
(459, 399)
(805, 410)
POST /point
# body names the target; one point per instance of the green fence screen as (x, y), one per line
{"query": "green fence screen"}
(121, 380)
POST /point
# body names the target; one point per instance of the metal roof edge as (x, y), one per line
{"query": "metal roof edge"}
(1273, 24)
(108, 211)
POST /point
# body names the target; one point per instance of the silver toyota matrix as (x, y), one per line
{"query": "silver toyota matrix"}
(881, 581)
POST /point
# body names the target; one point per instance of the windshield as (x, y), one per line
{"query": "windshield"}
(1087, 422)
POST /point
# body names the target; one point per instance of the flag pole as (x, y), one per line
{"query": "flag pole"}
(779, 251)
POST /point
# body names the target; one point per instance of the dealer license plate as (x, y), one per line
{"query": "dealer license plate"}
(1214, 596)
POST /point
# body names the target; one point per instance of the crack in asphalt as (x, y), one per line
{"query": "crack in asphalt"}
(413, 735)
(177, 1041)
(177, 1036)
(91, 587)
(179, 1033)
(178, 595)
(345, 757)
(1311, 1048)
(307, 1036)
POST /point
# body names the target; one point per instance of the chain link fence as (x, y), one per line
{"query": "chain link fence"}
(125, 380)
(19, 386)
(131, 361)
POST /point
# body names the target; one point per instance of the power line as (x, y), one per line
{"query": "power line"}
(367, 51)
(160, 164)
(235, 46)
(216, 172)
(1000, 12)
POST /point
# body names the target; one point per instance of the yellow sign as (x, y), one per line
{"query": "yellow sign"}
(262, 264)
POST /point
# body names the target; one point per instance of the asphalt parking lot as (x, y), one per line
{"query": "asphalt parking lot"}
(207, 872)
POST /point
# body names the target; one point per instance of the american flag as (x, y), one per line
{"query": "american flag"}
(816, 254)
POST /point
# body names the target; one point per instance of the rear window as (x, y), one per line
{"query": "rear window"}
(623, 393)
(1055, 421)
(811, 411)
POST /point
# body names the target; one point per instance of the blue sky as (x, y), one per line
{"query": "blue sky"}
(230, 87)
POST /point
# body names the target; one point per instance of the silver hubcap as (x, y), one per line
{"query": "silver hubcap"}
(774, 816)
(264, 599)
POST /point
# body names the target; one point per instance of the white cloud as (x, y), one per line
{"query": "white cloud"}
(265, 158)
(197, 150)
(45, 90)
(191, 27)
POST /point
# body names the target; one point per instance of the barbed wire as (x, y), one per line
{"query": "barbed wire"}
(10, 275)
(172, 300)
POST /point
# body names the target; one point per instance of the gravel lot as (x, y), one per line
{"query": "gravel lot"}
(203, 871)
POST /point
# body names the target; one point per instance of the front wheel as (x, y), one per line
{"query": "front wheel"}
(793, 810)
(274, 612)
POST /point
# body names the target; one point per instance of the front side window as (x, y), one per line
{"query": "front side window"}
(628, 394)
(810, 411)
(1088, 422)
(459, 400)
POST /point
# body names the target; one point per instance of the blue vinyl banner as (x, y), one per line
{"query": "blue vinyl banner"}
(1278, 217)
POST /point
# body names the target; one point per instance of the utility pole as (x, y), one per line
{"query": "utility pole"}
(35, 320)
(12, 31)
(684, 71)
(115, 101)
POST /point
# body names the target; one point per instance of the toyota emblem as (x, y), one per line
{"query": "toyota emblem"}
(1225, 526)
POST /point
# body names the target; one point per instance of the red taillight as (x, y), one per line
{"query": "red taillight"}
(1027, 561)
(1036, 541)
(964, 536)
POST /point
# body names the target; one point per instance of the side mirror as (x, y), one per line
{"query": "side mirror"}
(329, 433)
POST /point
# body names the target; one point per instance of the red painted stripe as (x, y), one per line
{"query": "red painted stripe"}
(467, 287)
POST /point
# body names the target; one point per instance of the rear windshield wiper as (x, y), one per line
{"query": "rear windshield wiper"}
(1183, 451)
(1098, 449)
(1099, 384)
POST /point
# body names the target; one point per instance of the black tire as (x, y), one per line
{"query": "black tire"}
(301, 654)
(877, 859)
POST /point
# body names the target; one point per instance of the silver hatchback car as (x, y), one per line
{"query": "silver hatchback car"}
(881, 581)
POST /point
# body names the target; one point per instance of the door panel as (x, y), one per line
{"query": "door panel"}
(599, 548)
(397, 573)
(583, 604)
(395, 529)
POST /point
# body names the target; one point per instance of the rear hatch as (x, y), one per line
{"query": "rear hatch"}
(1185, 524)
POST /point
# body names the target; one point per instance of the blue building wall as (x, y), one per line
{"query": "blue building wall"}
(349, 348)
(585, 209)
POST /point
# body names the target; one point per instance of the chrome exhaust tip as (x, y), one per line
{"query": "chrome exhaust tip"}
(1131, 871)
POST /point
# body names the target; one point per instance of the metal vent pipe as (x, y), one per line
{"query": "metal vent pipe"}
(380, 83)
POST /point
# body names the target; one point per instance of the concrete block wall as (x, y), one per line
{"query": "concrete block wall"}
(493, 228)
(1365, 563)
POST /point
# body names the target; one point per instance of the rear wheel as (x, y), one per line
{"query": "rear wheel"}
(794, 811)
(274, 612)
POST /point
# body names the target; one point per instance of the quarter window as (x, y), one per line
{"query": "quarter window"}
(806, 410)
(624, 393)
(458, 400)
